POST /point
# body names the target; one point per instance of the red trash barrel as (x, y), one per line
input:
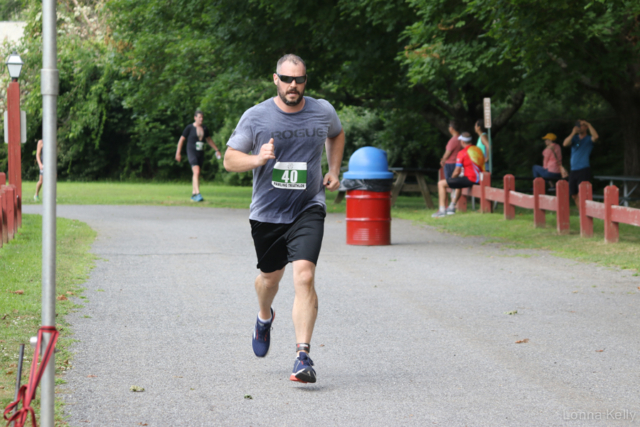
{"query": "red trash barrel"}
(368, 217)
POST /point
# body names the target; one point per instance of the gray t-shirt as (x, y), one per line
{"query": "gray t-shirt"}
(280, 189)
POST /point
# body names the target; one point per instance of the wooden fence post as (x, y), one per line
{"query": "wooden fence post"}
(2, 222)
(485, 182)
(538, 214)
(461, 206)
(5, 214)
(611, 197)
(563, 224)
(3, 179)
(586, 222)
(9, 201)
(14, 201)
(509, 185)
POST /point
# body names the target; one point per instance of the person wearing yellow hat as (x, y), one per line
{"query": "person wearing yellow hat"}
(552, 160)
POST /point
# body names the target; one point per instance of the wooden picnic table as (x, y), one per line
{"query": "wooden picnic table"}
(401, 186)
(626, 180)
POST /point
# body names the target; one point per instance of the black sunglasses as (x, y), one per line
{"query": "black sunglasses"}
(289, 79)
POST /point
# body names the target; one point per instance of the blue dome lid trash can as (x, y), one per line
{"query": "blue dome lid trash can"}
(368, 163)
(368, 183)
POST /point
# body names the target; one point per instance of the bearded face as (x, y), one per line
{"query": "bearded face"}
(291, 93)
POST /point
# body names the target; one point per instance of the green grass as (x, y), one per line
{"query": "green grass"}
(122, 193)
(518, 233)
(20, 296)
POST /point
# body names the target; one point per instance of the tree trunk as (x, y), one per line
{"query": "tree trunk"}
(626, 103)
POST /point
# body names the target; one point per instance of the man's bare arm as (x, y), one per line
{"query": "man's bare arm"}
(210, 142)
(567, 140)
(179, 150)
(237, 161)
(447, 153)
(456, 172)
(335, 151)
(592, 131)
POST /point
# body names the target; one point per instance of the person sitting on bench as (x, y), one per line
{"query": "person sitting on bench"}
(551, 168)
(469, 164)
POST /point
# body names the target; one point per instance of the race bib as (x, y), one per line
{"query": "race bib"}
(290, 175)
(199, 145)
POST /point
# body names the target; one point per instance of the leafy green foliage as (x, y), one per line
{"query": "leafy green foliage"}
(133, 73)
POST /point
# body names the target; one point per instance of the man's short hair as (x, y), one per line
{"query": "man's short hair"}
(454, 125)
(290, 57)
(198, 112)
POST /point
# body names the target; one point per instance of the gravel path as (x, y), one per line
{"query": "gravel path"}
(410, 334)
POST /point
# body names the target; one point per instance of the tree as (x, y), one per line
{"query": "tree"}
(591, 44)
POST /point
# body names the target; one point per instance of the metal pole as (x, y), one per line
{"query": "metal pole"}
(49, 90)
(490, 152)
(18, 378)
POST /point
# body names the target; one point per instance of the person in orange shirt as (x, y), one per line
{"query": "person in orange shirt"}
(552, 160)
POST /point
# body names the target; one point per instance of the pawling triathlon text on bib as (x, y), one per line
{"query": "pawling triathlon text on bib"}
(290, 175)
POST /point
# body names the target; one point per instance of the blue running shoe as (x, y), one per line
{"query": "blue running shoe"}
(194, 198)
(302, 369)
(199, 198)
(262, 336)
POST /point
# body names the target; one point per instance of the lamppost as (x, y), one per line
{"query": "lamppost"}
(14, 64)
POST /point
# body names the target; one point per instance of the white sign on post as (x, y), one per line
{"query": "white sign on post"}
(23, 127)
(487, 113)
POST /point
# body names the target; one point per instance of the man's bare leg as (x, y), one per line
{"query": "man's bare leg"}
(305, 304)
(442, 193)
(38, 186)
(266, 288)
(195, 181)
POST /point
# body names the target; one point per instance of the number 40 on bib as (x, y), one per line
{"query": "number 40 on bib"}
(290, 175)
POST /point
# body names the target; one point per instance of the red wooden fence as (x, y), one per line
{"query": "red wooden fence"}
(539, 202)
(9, 220)
(610, 212)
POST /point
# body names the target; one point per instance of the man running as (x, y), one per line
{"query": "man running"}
(286, 135)
(196, 134)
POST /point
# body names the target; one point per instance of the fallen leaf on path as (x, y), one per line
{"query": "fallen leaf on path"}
(143, 424)
(62, 298)
(91, 376)
(136, 388)
(321, 345)
(9, 372)
(599, 351)
(70, 293)
(19, 292)
(248, 396)
(511, 313)
(524, 341)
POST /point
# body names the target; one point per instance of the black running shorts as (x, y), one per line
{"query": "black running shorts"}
(460, 182)
(576, 177)
(196, 158)
(279, 244)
